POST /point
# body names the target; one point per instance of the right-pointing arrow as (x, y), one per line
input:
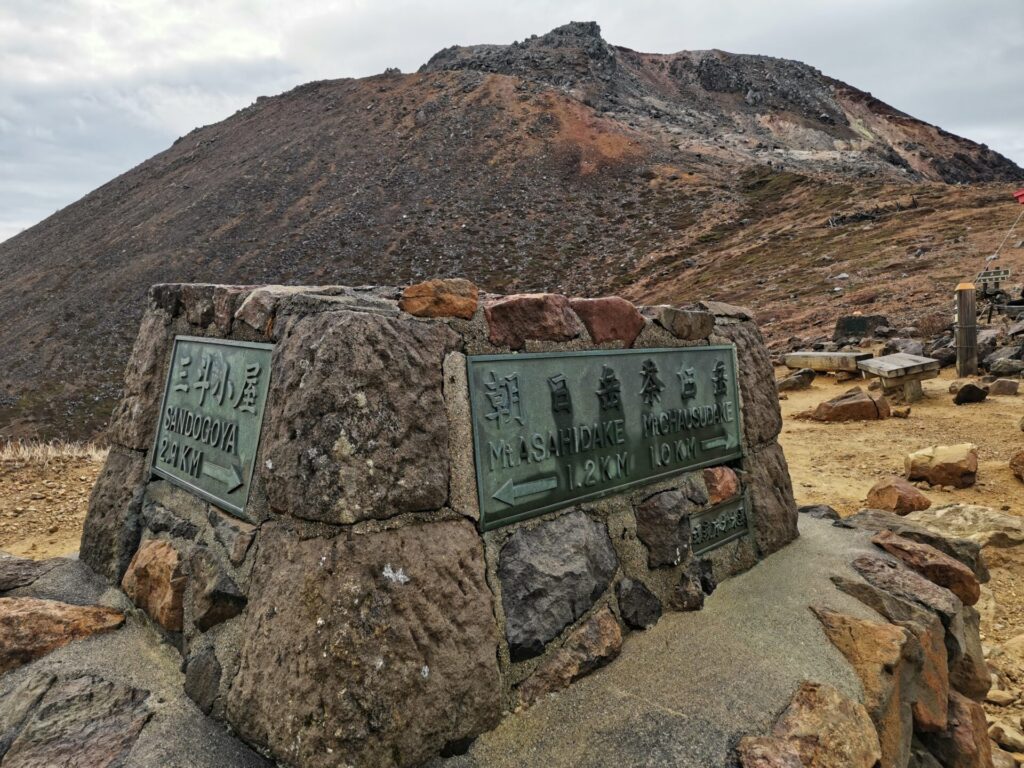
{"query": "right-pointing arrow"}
(230, 476)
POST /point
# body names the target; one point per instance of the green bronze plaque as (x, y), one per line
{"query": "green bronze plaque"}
(211, 417)
(711, 528)
(554, 429)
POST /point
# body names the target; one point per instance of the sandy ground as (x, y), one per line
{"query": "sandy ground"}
(837, 464)
(43, 502)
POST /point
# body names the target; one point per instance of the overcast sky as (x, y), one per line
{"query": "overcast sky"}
(90, 88)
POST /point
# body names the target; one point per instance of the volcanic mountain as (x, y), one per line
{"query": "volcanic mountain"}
(558, 163)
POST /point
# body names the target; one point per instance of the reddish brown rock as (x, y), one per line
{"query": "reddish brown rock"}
(155, 582)
(934, 565)
(955, 465)
(539, 316)
(896, 494)
(768, 752)
(31, 628)
(609, 318)
(591, 645)
(965, 742)
(454, 297)
(853, 405)
(1017, 465)
(931, 696)
(84, 721)
(828, 729)
(722, 483)
(887, 664)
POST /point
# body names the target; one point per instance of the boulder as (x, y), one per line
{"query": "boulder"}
(1004, 387)
(1017, 465)
(762, 418)
(983, 525)
(933, 565)
(801, 379)
(453, 297)
(955, 465)
(83, 720)
(968, 671)
(31, 628)
(966, 551)
(593, 644)
(551, 574)
(695, 583)
(896, 495)
(639, 607)
(370, 444)
(931, 686)
(770, 491)
(887, 664)
(853, 405)
(1007, 736)
(1006, 367)
(899, 581)
(155, 582)
(609, 319)
(828, 729)
(965, 743)
(112, 526)
(686, 324)
(514, 319)
(202, 678)
(722, 484)
(233, 534)
(969, 392)
(397, 625)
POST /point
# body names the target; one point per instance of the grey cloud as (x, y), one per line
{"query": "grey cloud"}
(71, 120)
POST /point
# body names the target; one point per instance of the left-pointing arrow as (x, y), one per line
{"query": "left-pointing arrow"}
(230, 476)
(510, 491)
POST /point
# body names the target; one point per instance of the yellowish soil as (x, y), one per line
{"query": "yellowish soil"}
(837, 464)
(43, 501)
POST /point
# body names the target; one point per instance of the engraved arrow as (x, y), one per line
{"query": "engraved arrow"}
(231, 476)
(510, 491)
(722, 441)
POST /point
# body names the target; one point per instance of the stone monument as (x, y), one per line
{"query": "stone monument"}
(373, 521)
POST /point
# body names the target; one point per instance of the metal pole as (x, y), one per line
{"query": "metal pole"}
(966, 331)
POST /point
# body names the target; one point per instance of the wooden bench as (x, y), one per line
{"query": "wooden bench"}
(901, 373)
(826, 361)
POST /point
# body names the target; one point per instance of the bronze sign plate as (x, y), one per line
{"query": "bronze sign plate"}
(711, 528)
(554, 429)
(211, 417)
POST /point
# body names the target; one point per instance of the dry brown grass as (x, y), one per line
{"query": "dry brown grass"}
(39, 452)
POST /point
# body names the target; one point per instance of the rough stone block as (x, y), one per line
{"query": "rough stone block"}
(112, 526)
(551, 574)
(155, 582)
(382, 645)
(133, 423)
(539, 316)
(766, 478)
(356, 424)
(609, 318)
(454, 297)
(762, 419)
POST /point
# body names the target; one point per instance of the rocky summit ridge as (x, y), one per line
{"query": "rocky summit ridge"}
(559, 163)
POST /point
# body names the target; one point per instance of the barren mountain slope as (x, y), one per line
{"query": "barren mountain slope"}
(562, 163)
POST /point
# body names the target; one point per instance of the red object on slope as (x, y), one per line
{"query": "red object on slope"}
(1019, 194)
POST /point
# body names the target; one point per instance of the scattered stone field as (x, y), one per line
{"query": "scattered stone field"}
(44, 495)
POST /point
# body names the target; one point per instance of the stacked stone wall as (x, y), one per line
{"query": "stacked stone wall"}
(358, 615)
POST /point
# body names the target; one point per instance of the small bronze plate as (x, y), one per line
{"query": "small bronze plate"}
(211, 417)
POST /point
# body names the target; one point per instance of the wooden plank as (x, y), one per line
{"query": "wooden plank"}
(826, 361)
(896, 365)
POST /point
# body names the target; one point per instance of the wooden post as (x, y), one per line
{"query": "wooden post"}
(966, 331)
